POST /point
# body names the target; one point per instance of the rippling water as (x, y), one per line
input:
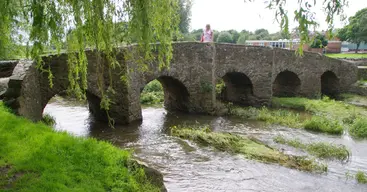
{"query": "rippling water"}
(188, 167)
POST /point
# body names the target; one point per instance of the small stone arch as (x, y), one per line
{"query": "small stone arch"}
(237, 88)
(329, 84)
(176, 95)
(286, 84)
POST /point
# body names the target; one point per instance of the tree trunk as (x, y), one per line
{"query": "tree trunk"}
(357, 47)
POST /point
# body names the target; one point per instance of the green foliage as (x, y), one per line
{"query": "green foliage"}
(40, 159)
(219, 86)
(359, 128)
(356, 30)
(225, 37)
(322, 124)
(361, 177)
(48, 120)
(242, 39)
(319, 41)
(235, 35)
(185, 15)
(251, 148)
(320, 149)
(281, 117)
(262, 34)
(152, 93)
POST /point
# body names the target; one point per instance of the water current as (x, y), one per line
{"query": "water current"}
(189, 167)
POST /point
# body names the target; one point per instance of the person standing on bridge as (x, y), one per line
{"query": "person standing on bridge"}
(208, 35)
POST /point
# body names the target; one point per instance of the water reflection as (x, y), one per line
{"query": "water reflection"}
(187, 167)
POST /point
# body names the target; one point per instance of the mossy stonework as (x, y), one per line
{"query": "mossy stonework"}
(251, 76)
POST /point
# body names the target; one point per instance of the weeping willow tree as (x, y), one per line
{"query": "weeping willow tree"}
(96, 24)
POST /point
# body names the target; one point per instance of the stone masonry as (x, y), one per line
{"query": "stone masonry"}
(252, 75)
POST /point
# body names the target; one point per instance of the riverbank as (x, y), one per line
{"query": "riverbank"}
(33, 157)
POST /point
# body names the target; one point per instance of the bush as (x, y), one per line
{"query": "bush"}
(153, 86)
(242, 39)
(225, 37)
(359, 128)
(152, 98)
(322, 124)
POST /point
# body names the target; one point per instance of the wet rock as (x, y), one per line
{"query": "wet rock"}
(155, 177)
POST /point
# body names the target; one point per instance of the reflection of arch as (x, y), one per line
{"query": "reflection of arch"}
(329, 84)
(176, 95)
(286, 84)
(238, 88)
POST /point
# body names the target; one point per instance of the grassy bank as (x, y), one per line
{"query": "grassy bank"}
(33, 157)
(348, 55)
(330, 115)
(320, 149)
(249, 147)
(281, 117)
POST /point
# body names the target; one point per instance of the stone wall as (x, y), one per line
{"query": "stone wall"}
(252, 75)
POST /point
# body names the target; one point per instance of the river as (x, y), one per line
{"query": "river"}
(189, 167)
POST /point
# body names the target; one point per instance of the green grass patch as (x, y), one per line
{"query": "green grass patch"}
(249, 147)
(359, 128)
(361, 177)
(281, 117)
(44, 160)
(320, 149)
(322, 124)
(347, 55)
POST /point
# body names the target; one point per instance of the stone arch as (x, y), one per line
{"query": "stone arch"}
(286, 84)
(238, 88)
(329, 84)
(176, 95)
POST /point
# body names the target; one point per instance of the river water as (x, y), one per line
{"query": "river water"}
(189, 167)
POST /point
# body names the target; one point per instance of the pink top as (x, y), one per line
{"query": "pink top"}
(208, 35)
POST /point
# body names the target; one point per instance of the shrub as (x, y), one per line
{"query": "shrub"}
(242, 39)
(322, 124)
(359, 128)
(225, 37)
(153, 86)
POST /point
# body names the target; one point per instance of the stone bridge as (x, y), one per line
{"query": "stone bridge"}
(252, 76)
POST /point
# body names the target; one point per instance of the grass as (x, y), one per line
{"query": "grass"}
(348, 55)
(48, 120)
(361, 177)
(33, 157)
(249, 147)
(281, 117)
(320, 149)
(322, 124)
(359, 128)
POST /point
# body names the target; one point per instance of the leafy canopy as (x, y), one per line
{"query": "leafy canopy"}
(356, 30)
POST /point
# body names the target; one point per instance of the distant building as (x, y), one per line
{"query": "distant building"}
(350, 47)
(332, 47)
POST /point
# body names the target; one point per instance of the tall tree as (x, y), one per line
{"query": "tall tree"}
(185, 15)
(356, 30)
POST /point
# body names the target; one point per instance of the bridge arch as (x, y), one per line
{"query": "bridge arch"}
(236, 87)
(176, 94)
(329, 84)
(286, 84)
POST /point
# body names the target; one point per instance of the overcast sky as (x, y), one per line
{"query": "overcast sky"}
(236, 14)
